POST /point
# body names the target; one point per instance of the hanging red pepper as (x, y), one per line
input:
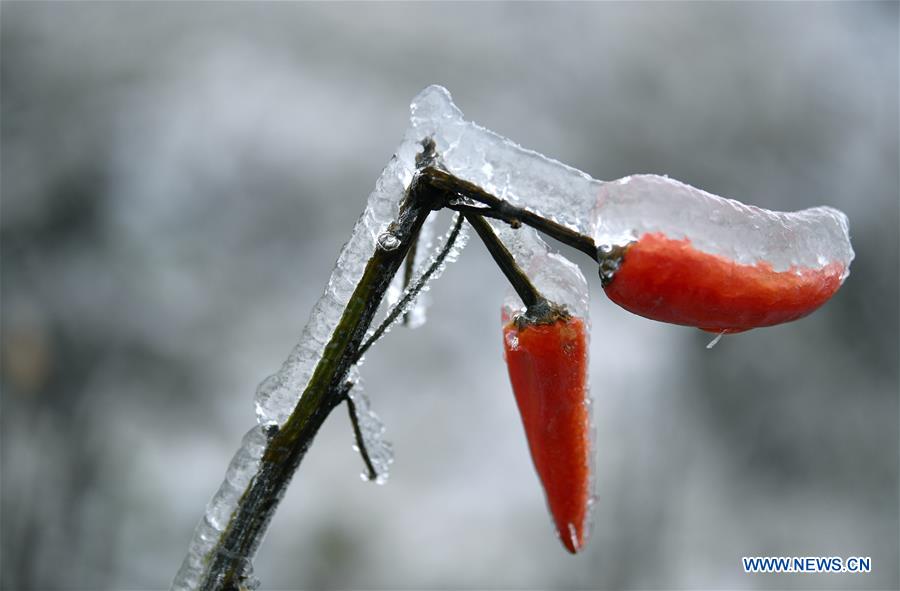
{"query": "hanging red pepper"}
(671, 281)
(548, 366)
(546, 349)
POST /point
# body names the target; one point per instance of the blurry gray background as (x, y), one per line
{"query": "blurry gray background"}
(178, 179)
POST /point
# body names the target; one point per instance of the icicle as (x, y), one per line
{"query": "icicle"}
(715, 340)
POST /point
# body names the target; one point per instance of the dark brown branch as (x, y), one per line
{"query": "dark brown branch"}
(431, 189)
(408, 269)
(486, 212)
(529, 294)
(371, 473)
(287, 446)
(506, 211)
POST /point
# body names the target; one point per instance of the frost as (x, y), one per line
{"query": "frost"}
(630, 207)
(241, 471)
(379, 450)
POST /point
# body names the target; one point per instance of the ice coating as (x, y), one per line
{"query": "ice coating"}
(547, 367)
(380, 451)
(558, 279)
(278, 394)
(505, 169)
(468, 151)
(417, 313)
(241, 471)
(631, 207)
(429, 260)
(567, 196)
(557, 192)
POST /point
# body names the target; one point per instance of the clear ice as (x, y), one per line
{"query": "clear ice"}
(429, 268)
(503, 168)
(558, 279)
(241, 471)
(417, 313)
(523, 177)
(466, 150)
(380, 451)
(635, 205)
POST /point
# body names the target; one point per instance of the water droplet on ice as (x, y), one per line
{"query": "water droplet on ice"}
(388, 241)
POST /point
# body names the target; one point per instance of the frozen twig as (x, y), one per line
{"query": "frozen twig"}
(371, 472)
(504, 210)
(430, 189)
(413, 291)
(526, 290)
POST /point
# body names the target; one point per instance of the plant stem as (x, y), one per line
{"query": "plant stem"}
(411, 293)
(431, 189)
(506, 211)
(286, 448)
(408, 269)
(526, 290)
(371, 472)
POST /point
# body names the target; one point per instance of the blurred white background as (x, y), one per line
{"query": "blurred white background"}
(177, 180)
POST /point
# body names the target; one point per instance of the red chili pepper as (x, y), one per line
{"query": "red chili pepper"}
(548, 369)
(671, 281)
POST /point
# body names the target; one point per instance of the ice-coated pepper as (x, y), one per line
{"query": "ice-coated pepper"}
(548, 369)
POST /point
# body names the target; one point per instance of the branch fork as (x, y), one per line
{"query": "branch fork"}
(431, 189)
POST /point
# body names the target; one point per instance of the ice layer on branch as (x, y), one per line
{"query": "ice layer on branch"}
(371, 428)
(467, 151)
(429, 268)
(277, 396)
(505, 169)
(415, 315)
(241, 471)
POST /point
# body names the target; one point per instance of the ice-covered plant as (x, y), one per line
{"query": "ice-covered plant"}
(664, 250)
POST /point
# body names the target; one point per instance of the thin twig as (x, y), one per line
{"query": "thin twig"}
(486, 212)
(431, 189)
(357, 433)
(408, 269)
(506, 211)
(412, 292)
(226, 562)
(526, 290)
